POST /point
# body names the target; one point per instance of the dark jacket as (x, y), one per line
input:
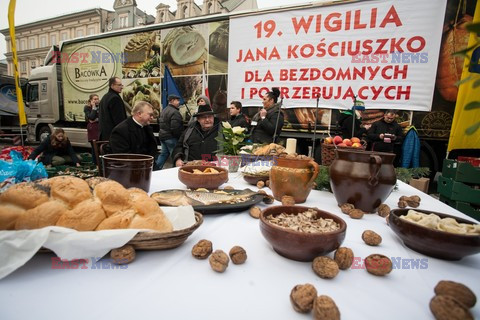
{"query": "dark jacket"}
(91, 117)
(345, 122)
(171, 123)
(264, 130)
(111, 112)
(129, 137)
(194, 143)
(49, 152)
(239, 121)
(380, 127)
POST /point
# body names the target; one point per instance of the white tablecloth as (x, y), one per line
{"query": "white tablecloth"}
(173, 285)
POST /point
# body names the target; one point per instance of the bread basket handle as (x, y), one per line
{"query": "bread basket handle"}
(376, 161)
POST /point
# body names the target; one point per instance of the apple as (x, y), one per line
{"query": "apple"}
(355, 140)
(328, 140)
(337, 139)
(347, 142)
(357, 145)
(341, 145)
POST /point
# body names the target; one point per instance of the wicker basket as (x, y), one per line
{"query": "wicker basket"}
(328, 151)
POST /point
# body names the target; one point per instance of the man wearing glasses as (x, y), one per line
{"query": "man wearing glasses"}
(111, 108)
(385, 133)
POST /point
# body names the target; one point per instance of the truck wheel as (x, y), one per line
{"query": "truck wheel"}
(43, 132)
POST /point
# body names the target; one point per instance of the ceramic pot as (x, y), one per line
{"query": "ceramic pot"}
(293, 177)
(364, 179)
(130, 170)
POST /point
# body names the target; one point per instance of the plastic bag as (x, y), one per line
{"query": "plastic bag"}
(20, 170)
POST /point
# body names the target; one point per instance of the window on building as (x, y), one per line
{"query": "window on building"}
(33, 64)
(162, 17)
(53, 39)
(185, 12)
(79, 33)
(22, 44)
(91, 31)
(123, 21)
(209, 8)
(32, 44)
(43, 41)
(64, 36)
(23, 66)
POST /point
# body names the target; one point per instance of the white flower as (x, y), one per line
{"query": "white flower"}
(237, 130)
(226, 124)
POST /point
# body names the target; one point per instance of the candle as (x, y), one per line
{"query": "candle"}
(291, 145)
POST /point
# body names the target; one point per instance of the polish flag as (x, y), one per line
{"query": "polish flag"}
(205, 82)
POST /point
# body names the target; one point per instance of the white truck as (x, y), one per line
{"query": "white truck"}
(306, 50)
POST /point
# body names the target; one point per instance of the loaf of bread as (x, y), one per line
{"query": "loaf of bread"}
(70, 202)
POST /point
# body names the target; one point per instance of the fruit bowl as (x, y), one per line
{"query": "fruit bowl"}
(193, 179)
(432, 242)
(298, 245)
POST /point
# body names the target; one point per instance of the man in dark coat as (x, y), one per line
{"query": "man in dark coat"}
(111, 108)
(268, 122)
(171, 128)
(345, 122)
(198, 141)
(237, 118)
(385, 133)
(134, 134)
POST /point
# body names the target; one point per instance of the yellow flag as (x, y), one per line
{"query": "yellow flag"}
(11, 25)
(463, 119)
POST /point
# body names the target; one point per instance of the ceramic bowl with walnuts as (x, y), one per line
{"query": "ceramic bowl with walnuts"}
(301, 245)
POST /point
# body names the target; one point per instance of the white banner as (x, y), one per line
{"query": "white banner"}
(383, 52)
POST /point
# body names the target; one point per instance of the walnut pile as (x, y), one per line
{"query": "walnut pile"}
(344, 258)
(378, 264)
(347, 207)
(238, 255)
(325, 267)
(356, 214)
(302, 297)
(123, 255)
(383, 210)
(219, 261)
(288, 201)
(412, 201)
(304, 222)
(324, 308)
(371, 238)
(255, 212)
(202, 249)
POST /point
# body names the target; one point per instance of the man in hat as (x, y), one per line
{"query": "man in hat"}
(171, 128)
(199, 140)
(134, 135)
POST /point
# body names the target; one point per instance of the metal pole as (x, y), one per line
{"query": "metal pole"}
(315, 129)
(276, 124)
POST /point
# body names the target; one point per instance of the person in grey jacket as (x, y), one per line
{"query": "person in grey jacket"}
(265, 127)
(171, 128)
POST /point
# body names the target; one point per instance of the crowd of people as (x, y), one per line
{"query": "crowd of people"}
(107, 120)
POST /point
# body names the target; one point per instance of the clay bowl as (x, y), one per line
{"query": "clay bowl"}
(253, 179)
(434, 243)
(206, 180)
(297, 245)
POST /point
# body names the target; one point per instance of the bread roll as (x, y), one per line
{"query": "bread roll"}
(9, 215)
(25, 195)
(118, 220)
(86, 216)
(113, 196)
(143, 204)
(46, 214)
(70, 190)
(157, 222)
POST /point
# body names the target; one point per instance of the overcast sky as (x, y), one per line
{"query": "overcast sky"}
(33, 10)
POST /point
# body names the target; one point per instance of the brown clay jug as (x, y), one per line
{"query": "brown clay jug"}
(293, 177)
(364, 179)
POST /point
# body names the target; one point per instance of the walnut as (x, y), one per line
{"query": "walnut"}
(412, 201)
(378, 264)
(448, 308)
(238, 255)
(288, 201)
(262, 192)
(302, 297)
(219, 261)
(269, 199)
(371, 238)
(402, 204)
(202, 249)
(324, 308)
(343, 257)
(325, 267)
(260, 184)
(123, 255)
(356, 214)
(383, 210)
(228, 188)
(347, 207)
(458, 291)
(255, 212)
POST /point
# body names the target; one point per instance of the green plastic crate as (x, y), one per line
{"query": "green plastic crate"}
(461, 171)
(458, 191)
(463, 207)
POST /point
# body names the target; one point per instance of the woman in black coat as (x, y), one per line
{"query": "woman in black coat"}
(56, 150)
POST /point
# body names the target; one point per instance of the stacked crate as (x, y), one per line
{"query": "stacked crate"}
(459, 187)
